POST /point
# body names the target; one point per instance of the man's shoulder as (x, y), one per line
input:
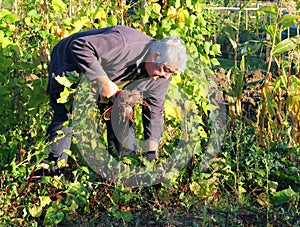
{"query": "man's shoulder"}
(133, 35)
(126, 29)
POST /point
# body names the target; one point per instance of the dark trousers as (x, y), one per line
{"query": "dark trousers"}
(58, 141)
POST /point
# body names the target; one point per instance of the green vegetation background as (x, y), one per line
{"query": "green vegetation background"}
(254, 178)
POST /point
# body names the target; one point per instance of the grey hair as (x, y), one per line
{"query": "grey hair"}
(172, 50)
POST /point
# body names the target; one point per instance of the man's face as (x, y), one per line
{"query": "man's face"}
(159, 70)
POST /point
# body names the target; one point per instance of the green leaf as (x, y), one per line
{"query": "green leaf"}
(255, 48)
(239, 84)
(59, 6)
(64, 96)
(215, 61)
(293, 170)
(99, 13)
(230, 35)
(192, 48)
(285, 46)
(190, 105)
(36, 211)
(61, 163)
(177, 4)
(5, 41)
(269, 9)
(245, 5)
(195, 187)
(216, 49)
(241, 190)
(33, 13)
(74, 206)
(125, 215)
(153, 29)
(211, 107)
(288, 19)
(260, 172)
(242, 63)
(73, 77)
(2, 34)
(4, 13)
(273, 185)
(85, 169)
(11, 18)
(271, 29)
(70, 154)
(112, 20)
(63, 80)
(53, 216)
(4, 92)
(284, 196)
(76, 188)
(156, 8)
(207, 47)
(270, 103)
(172, 110)
(166, 24)
(78, 25)
(2, 139)
(45, 200)
(202, 132)
(204, 107)
(189, 4)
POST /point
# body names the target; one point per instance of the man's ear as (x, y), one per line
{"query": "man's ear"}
(156, 56)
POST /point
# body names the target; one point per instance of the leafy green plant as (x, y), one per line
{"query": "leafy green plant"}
(259, 174)
(279, 93)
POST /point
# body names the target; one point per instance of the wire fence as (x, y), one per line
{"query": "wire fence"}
(252, 26)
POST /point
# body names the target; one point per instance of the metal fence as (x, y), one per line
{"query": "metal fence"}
(248, 16)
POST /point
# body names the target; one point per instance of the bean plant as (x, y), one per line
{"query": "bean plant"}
(251, 166)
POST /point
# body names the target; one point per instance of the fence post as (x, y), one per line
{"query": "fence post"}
(247, 19)
(16, 6)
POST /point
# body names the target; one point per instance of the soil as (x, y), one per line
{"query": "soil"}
(251, 95)
(178, 216)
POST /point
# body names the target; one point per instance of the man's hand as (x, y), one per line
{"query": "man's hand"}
(108, 89)
(152, 145)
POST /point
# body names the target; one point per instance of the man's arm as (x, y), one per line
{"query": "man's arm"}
(152, 122)
(107, 88)
(153, 113)
(88, 53)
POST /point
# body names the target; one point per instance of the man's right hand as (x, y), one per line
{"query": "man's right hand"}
(108, 89)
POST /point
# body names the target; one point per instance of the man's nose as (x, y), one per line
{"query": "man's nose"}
(167, 75)
(162, 71)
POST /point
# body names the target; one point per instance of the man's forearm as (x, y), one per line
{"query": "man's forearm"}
(101, 80)
(107, 88)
